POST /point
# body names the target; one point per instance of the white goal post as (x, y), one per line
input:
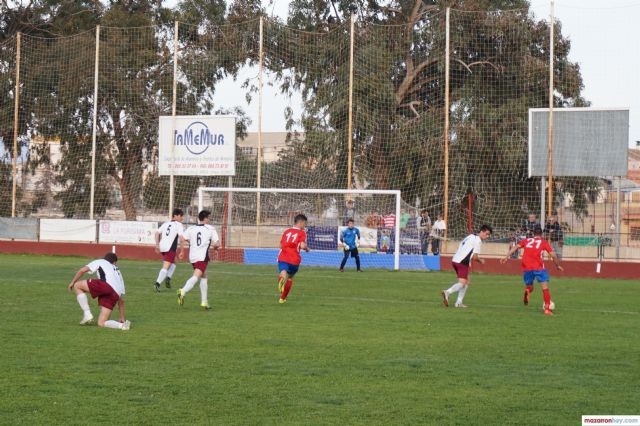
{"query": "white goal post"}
(394, 192)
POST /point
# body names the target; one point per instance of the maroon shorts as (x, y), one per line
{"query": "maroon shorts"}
(107, 296)
(202, 265)
(169, 256)
(462, 271)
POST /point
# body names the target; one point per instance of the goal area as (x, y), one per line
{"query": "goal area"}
(250, 222)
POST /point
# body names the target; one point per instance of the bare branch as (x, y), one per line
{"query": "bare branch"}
(468, 67)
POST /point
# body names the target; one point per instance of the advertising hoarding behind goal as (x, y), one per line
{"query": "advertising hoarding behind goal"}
(201, 145)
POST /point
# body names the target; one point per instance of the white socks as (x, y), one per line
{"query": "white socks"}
(189, 285)
(84, 304)
(454, 288)
(461, 294)
(171, 270)
(113, 324)
(161, 276)
(204, 287)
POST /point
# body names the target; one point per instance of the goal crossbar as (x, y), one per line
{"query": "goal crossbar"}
(394, 192)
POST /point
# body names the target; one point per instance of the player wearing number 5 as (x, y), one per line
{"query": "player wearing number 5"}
(350, 239)
(293, 240)
(533, 266)
(201, 237)
(167, 244)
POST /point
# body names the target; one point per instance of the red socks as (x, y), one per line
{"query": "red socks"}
(287, 288)
(547, 298)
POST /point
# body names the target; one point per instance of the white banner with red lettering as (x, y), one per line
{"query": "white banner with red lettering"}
(121, 231)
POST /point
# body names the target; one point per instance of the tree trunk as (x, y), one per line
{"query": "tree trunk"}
(380, 162)
(128, 197)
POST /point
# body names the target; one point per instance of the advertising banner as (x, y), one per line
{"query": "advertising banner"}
(322, 237)
(368, 237)
(67, 230)
(121, 231)
(199, 146)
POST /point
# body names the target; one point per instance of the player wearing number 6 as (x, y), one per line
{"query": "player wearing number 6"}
(533, 266)
(293, 240)
(167, 244)
(201, 237)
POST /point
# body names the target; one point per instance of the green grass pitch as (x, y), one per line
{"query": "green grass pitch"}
(371, 348)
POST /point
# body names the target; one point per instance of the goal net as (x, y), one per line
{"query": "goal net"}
(251, 222)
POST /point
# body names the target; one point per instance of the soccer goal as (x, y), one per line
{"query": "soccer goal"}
(251, 222)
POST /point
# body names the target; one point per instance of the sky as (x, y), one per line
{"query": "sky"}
(604, 42)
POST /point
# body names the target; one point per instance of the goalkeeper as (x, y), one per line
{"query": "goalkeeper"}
(350, 239)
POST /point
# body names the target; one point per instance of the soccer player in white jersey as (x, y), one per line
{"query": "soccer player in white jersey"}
(108, 288)
(201, 237)
(468, 250)
(167, 244)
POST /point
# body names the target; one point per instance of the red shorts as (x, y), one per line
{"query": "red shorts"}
(202, 265)
(107, 296)
(462, 271)
(169, 256)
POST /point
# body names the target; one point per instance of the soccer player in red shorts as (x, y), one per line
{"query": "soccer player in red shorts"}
(293, 239)
(468, 250)
(533, 266)
(167, 244)
(108, 288)
(201, 238)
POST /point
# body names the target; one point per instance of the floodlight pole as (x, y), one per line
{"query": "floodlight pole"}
(350, 126)
(550, 152)
(617, 230)
(259, 154)
(95, 123)
(447, 59)
(173, 117)
(16, 124)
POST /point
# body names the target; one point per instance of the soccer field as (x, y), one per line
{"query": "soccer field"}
(370, 348)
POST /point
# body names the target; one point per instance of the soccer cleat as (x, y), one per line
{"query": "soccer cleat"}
(167, 282)
(86, 320)
(461, 305)
(156, 286)
(281, 282)
(205, 306)
(341, 270)
(525, 298)
(281, 301)
(180, 298)
(359, 270)
(445, 298)
(126, 325)
(548, 312)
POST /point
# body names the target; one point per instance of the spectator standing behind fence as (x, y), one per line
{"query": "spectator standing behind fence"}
(412, 222)
(349, 212)
(437, 234)
(389, 220)
(374, 220)
(553, 233)
(404, 218)
(424, 226)
(529, 224)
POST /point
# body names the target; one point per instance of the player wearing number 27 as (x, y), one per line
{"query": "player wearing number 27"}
(293, 240)
(201, 237)
(533, 266)
(167, 244)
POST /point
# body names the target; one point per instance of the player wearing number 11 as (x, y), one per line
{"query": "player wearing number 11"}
(533, 266)
(293, 240)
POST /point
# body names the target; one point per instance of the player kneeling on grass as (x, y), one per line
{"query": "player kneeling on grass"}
(350, 238)
(108, 288)
(533, 266)
(167, 244)
(293, 239)
(201, 237)
(468, 250)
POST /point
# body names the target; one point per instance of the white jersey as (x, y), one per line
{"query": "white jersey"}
(108, 273)
(200, 238)
(471, 245)
(169, 233)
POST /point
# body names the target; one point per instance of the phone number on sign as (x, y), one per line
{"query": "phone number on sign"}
(200, 166)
